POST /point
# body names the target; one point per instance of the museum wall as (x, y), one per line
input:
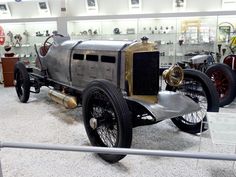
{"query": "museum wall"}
(114, 7)
(18, 10)
(29, 9)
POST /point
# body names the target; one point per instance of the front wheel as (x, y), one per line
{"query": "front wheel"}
(22, 82)
(107, 119)
(197, 86)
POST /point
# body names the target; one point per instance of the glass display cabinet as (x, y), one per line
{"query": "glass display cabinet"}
(23, 36)
(195, 35)
(177, 38)
(226, 29)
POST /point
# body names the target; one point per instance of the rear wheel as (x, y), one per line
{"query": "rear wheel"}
(22, 82)
(224, 80)
(197, 86)
(107, 118)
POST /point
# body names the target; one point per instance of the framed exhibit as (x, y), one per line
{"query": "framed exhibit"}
(134, 4)
(42, 5)
(44, 9)
(91, 5)
(179, 5)
(3, 7)
(228, 4)
(4, 10)
(224, 33)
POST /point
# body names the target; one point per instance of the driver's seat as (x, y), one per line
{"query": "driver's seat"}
(40, 55)
(43, 50)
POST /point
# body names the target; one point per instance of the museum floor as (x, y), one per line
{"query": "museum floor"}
(43, 121)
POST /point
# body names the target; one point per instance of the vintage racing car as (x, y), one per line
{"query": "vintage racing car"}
(221, 74)
(117, 84)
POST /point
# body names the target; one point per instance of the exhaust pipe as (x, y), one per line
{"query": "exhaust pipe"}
(69, 102)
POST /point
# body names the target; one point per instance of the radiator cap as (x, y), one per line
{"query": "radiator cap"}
(144, 39)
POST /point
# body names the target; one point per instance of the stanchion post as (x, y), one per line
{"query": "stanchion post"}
(1, 175)
(234, 164)
(200, 140)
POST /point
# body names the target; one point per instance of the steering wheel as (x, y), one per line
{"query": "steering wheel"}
(47, 43)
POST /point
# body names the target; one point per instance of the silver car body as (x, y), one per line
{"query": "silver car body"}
(66, 64)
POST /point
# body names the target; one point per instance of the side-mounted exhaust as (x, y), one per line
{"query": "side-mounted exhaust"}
(69, 102)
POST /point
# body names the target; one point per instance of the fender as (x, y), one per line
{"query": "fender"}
(230, 60)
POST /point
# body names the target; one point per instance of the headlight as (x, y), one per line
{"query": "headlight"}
(174, 75)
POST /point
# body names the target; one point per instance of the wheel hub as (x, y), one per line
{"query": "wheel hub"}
(93, 123)
(221, 83)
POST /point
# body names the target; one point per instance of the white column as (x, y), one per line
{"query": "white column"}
(62, 26)
(63, 8)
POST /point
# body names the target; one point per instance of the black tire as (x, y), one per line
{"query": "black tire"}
(104, 105)
(22, 82)
(224, 80)
(198, 87)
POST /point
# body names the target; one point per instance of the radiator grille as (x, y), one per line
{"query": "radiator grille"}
(145, 73)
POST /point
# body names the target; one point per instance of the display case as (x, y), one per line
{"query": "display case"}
(226, 29)
(195, 35)
(23, 36)
(177, 38)
(118, 29)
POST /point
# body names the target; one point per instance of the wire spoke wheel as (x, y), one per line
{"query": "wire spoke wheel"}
(107, 119)
(224, 80)
(194, 90)
(19, 84)
(101, 110)
(22, 82)
(221, 82)
(197, 86)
